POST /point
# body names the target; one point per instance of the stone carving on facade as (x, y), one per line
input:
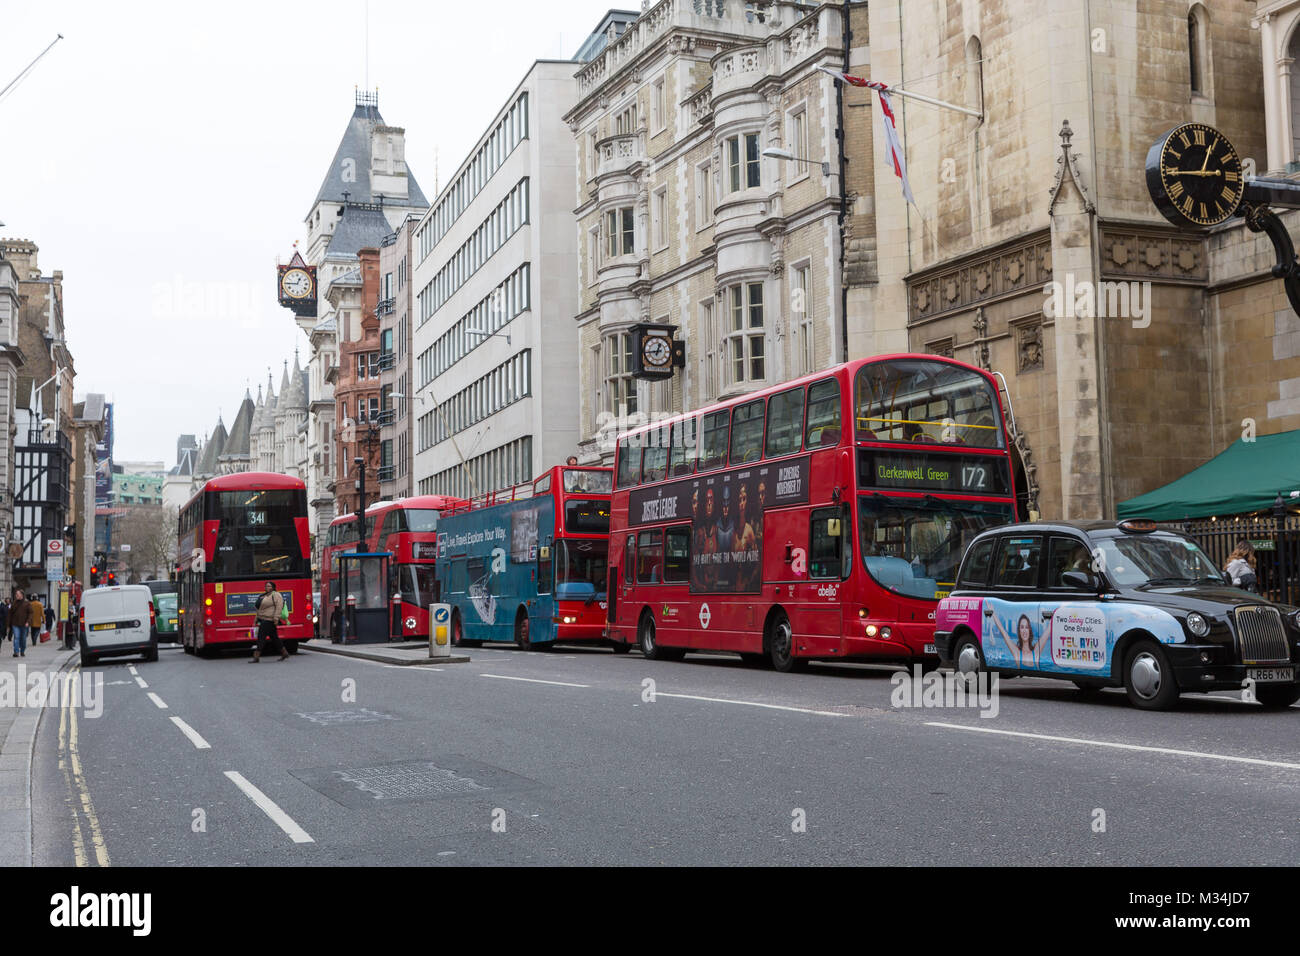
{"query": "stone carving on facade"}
(802, 39)
(1144, 255)
(1021, 441)
(777, 242)
(1067, 167)
(1029, 345)
(989, 278)
(942, 347)
(981, 326)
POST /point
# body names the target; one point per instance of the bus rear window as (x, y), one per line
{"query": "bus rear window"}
(257, 536)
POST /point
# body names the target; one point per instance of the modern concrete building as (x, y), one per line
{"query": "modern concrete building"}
(495, 296)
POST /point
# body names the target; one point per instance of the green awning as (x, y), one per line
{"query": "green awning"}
(1246, 476)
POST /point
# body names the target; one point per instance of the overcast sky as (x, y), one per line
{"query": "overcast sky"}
(164, 154)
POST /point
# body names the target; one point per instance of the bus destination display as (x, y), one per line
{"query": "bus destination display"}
(964, 474)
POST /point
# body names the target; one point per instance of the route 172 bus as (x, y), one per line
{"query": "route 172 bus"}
(528, 564)
(819, 519)
(238, 532)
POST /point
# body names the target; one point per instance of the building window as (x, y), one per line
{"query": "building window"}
(801, 314)
(659, 215)
(746, 339)
(620, 386)
(658, 115)
(799, 140)
(593, 254)
(620, 231)
(1198, 47)
(703, 195)
(361, 365)
(626, 121)
(709, 351)
(591, 155)
(742, 162)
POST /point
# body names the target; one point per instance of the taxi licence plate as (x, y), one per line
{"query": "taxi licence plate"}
(1270, 675)
(931, 649)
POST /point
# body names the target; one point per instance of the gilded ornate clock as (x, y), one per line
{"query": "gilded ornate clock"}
(1194, 176)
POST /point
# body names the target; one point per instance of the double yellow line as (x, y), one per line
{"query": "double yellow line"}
(70, 764)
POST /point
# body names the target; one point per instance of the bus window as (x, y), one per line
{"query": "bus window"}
(823, 413)
(785, 423)
(927, 401)
(677, 554)
(713, 445)
(629, 463)
(681, 460)
(826, 548)
(654, 463)
(650, 558)
(747, 433)
(629, 559)
(457, 576)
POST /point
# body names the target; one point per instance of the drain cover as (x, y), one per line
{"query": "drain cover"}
(434, 778)
(404, 781)
(360, 715)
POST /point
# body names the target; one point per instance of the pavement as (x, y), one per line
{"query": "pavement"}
(411, 653)
(581, 756)
(18, 726)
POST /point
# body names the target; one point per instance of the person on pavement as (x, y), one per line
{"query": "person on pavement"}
(19, 615)
(35, 620)
(269, 606)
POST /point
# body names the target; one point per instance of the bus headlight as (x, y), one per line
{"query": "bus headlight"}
(871, 630)
(569, 619)
(885, 633)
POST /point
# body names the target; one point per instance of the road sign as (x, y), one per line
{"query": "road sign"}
(126, 547)
(54, 546)
(54, 568)
(440, 632)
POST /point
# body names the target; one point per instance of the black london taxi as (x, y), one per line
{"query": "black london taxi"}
(1115, 604)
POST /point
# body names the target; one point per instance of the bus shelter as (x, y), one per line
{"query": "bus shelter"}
(363, 596)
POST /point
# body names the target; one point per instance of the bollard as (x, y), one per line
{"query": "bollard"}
(440, 630)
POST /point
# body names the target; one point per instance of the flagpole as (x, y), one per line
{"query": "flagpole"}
(933, 102)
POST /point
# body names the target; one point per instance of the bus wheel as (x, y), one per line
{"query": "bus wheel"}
(780, 645)
(618, 647)
(649, 643)
(521, 631)
(291, 647)
(458, 634)
(1148, 678)
(334, 627)
(753, 660)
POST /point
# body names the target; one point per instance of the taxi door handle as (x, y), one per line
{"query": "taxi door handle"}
(988, 612)
(1047, 615)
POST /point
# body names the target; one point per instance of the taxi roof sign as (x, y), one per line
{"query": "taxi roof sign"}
(1137, 526)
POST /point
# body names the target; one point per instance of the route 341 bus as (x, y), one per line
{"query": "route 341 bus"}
(819, 519)
(528, 564)
(238, 532)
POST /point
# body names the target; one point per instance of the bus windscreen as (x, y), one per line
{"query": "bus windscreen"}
(257, 536)
(927, 402)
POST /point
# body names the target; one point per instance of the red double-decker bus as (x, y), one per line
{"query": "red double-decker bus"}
(528, 564)
(406, 528)
(819, 519)
(238, 532)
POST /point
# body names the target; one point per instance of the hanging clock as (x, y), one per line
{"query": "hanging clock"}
(656, 352)
(1195, 176)
(297, 286)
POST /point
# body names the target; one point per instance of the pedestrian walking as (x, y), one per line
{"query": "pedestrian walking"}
(19, 616)
(1241, 566)
(4, 619)
(35, 620)
(270, 607)
(49, 618)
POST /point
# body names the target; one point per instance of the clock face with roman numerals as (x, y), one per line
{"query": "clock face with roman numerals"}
(1194, 176)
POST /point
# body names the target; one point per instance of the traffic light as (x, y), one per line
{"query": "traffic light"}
(112, 578)
(94, 576)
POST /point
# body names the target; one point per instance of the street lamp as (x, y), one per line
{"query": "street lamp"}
(773, 152)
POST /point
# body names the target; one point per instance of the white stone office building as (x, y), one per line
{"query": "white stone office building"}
(497, 397)
(682, 221)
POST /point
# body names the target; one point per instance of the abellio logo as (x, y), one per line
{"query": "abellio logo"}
(828, 591)
(76, 909)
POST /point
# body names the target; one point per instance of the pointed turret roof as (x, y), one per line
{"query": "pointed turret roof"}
(237, 440)
(212, 451)
(293, 398)
(350, 170)
(358, 228)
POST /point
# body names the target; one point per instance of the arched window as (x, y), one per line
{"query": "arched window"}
(974, 74)
(1198, 50)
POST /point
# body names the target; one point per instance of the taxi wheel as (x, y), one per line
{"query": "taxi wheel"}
(1088, 690)
(967, 658)
(1277, 696)
(1149, 678)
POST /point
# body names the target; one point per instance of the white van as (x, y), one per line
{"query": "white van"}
(115, 621)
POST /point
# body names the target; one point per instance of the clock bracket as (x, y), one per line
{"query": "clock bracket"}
(1258, 198)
